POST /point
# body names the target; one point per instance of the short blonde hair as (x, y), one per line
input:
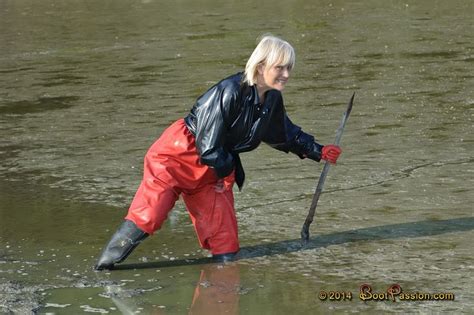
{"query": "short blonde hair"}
(269, 51)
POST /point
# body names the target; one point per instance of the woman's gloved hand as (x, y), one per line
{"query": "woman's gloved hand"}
(330, 153)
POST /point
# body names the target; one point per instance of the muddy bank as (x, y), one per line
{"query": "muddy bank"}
(20, 299)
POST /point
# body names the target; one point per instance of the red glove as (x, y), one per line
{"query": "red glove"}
(330, 153)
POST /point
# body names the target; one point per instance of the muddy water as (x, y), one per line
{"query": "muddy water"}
(86, 87)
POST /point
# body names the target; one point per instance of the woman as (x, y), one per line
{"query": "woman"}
(198, 156)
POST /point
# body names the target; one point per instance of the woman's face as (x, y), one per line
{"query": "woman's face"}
(273, 77)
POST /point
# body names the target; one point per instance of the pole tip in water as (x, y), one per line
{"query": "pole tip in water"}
(304, 235)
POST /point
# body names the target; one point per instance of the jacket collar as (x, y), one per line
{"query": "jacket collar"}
(256, 98)
(253, 89)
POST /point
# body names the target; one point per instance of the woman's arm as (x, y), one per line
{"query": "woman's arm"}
(285, 136)
(211, 112)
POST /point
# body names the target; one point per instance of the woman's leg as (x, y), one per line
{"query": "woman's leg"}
(211, 209)
(153, 201)
(171, 166)
(151, 205)
(149, 209)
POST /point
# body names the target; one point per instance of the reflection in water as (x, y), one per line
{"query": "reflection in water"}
(217, 291)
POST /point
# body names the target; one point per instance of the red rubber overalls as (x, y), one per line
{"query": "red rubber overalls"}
(172, 167)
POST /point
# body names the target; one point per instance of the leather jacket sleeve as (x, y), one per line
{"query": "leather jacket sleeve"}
(212, 113)
(305, 146)
(288, 137)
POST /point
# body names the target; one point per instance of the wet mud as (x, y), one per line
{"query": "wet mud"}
(87, 87)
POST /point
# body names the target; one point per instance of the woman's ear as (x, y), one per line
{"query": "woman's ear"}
(260, 68)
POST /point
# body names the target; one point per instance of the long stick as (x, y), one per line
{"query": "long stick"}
(322, 178)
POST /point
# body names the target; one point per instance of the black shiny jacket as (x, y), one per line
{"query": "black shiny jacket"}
(228, 119)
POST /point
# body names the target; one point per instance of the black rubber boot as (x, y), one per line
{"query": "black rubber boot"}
(227, 257)
(122, 243)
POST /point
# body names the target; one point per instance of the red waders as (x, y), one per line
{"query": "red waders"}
(172, 167)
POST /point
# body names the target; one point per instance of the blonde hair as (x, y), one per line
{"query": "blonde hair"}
(269, 51)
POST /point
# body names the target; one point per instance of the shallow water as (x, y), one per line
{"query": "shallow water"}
(86, 87)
